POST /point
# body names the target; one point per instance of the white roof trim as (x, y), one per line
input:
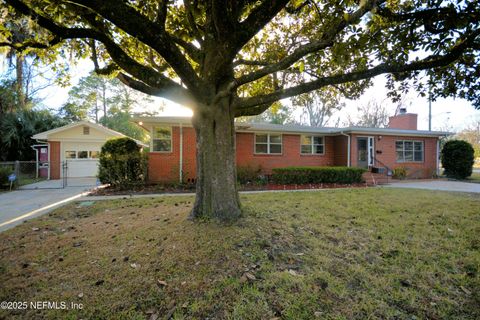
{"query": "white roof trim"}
(44, 135)
(298, 129)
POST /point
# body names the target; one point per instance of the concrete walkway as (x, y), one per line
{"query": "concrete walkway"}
(20, 205)
(443, 185)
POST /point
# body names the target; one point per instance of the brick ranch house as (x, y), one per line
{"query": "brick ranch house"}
(172, 147)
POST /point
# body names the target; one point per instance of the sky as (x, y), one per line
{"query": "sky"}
(447, 114)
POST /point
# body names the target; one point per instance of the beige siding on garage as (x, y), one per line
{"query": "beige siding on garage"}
(76, 133)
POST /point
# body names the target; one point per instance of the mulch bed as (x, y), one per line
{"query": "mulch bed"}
(158, 189)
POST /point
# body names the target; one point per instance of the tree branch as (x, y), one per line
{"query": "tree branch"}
(31, 44)
(239, 62)
(324, 42)
(191, 21)
(189, 48)
(434, 61)
(256, 20)
(253, 111)
(151, 33)
(147, 75)
(166, 93)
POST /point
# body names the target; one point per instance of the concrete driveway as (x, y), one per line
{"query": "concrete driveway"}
(40, 198)
(443, 185)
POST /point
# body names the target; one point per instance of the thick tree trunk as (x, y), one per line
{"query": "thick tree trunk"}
(216, 192)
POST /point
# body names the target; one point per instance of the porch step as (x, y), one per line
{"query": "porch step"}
(372, 179)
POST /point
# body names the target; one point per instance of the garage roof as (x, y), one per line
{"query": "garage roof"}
(45, 135)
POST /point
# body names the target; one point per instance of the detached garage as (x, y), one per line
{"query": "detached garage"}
(74, 149)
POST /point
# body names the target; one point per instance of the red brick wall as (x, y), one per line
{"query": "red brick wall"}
(387, 156)
(340, 146)
(54, 149)
(423, 169)
(189, 154)
(290, 153)
(164, 166)
(407, 121)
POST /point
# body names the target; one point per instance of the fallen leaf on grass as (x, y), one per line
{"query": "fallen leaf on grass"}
(161, 283)
(465, 290)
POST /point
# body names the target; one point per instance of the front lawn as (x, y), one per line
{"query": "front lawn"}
(332, 254)
(475, 177)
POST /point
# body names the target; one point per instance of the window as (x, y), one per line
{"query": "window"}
(311, 145)
(70, 154)
(94, 154)
(409, 151)
(86, 130)
(267, 143)
(162, 139)
(82, 154)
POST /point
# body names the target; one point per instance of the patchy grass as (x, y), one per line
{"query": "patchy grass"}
(334, 254)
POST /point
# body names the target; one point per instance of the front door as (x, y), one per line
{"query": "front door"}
(364, 152)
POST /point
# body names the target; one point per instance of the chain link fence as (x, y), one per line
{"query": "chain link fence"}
(31, 175)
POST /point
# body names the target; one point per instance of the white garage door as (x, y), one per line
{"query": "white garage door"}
(81, 159)
(82, 168)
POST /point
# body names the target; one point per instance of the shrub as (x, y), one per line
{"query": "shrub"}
(400, 173)
(122, 164)
(249, 174)
(304, 175)
(457, 159)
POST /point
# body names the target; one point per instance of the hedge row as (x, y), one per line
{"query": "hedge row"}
(305, 175)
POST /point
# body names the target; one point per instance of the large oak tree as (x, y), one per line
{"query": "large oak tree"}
(231, 58)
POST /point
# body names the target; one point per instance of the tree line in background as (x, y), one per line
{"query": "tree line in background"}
(320, 109)
(108, 102)
(94, 98)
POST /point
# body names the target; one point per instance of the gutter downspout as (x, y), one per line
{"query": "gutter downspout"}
(438, 157)
(181, 154)
(348, 150)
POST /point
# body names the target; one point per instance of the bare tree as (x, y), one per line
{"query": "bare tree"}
(471, 134)
(318, 106)
(373, 114)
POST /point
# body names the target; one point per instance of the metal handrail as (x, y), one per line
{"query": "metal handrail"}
(384, 165)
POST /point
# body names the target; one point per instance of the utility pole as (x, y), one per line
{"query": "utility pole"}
(430, 105)
(430, 112)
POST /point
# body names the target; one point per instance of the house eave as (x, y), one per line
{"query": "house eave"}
(396, 132)
(244, 127)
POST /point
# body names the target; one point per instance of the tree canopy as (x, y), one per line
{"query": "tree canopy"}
(106, 101)
(270, 49)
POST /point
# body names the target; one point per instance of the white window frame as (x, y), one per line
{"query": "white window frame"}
(152, 134)
(65, 154)
(89, 152)
(413, 150)
(268, 143)
(312, 145)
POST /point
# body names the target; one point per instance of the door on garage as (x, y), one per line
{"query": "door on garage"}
(81, 159)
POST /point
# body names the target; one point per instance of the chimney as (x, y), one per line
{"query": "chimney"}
(403, 120)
